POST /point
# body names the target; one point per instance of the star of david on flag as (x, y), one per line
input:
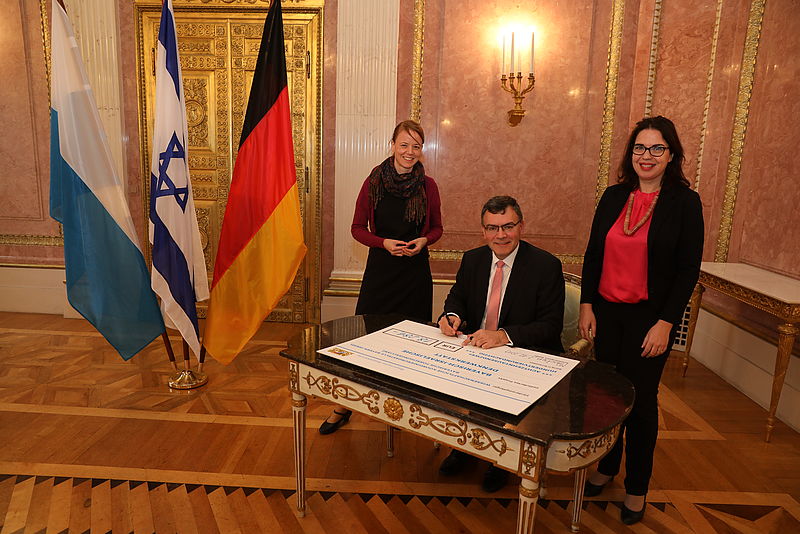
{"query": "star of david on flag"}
(179, 275)
(164, 185)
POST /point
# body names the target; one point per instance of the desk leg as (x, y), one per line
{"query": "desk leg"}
(786, 335)
(694, 310)
(299, 421)
(528, 495)
(577, 499)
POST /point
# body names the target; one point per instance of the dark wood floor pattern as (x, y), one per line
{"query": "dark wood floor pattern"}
(40, 504)
(90, 443)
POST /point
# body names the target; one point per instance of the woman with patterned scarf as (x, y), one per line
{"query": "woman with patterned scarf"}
(397, 216)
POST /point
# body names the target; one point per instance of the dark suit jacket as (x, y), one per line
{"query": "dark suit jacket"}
(533, 305)
(674, 247)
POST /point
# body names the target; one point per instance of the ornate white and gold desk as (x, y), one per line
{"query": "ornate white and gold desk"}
(767, 291)
(568, 429)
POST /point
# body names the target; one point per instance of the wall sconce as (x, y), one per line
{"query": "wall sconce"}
(512, 83)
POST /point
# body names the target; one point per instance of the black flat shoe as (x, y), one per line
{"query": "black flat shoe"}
(494, 479)
(593, 490)
(330, 428)
(454, 463)
(629, 517)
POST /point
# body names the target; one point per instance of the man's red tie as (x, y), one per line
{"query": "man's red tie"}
(493, 308)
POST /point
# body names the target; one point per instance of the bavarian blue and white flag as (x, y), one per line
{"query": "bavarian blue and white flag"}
(179, 269)
(107, 279)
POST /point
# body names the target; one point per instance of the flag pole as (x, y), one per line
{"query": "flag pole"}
(170, 354)
(178, 274)
(202, 358)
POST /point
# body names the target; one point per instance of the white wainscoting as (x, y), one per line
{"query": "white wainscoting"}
(34, 290)
(334, 307)
(747, 363)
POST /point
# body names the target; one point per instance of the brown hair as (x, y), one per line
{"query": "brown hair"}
(673, 174)
(409, 126)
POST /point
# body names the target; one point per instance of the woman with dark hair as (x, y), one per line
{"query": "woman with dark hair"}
(641, 265)
(397, 216)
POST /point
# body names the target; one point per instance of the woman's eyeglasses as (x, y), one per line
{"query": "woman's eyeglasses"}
(655, 150)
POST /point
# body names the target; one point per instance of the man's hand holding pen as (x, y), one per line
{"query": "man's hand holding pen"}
(449, 325)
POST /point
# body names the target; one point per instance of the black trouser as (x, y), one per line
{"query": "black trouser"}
(621, 329)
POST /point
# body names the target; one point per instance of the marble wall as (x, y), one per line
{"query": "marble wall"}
(690, 61)
(549, 161)
(767, 219)
(724, 70)
(27, 234)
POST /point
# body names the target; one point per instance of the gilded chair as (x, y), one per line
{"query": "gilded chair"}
(571, 340)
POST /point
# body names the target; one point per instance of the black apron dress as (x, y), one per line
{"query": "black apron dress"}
(396, 284)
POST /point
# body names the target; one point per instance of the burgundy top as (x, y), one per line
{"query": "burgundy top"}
(624, 274)
(364, 216)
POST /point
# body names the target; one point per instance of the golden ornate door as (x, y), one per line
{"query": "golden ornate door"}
(218, 43)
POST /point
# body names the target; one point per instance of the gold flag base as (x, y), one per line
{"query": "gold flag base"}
(188, 379)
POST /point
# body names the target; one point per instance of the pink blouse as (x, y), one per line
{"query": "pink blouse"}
(624, 274)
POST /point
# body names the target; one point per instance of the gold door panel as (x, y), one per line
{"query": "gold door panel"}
(218, 49)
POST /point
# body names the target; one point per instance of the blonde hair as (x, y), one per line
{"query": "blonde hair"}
(409, 126)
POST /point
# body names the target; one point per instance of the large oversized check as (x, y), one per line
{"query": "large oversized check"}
(504, 378)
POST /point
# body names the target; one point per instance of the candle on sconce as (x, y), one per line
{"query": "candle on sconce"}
(503, 58)
(512, 52)
(531, 53)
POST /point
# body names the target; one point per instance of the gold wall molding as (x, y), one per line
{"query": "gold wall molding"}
(446, 254)
(45, 43)
(570, 259)
(456, 255)
(741, 115)
(707, 103)
(651, 67)
(31, 266)
(609, 106)
(416, 59)
(32, 240)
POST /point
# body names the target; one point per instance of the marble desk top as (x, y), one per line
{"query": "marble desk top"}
(761, 281)
(588, 402)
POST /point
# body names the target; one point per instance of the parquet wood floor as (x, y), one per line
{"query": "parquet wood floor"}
(91, 443)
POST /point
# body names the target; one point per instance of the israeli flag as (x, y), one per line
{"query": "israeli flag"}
(179, 271)
(107, 278)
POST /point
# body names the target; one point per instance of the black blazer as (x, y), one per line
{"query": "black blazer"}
(674, 247)
(533, 305)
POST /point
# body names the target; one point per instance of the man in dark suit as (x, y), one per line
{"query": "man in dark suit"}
(507, 292)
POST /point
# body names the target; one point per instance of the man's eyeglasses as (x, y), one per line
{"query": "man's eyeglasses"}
(655, 150)
(493, 228)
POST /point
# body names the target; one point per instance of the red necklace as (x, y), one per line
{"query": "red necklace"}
(629, 208)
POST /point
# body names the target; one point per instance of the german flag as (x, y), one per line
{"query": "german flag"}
(261, 245)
